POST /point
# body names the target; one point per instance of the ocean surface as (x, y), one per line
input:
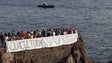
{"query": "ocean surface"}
(92, 18)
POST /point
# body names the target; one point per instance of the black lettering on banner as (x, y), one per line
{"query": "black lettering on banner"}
(20, 45)
(12, 46)
(35, 43)
(57, 39)
(27, 45)
(40, 43)
(44, 42)
(32, 43)
(67, 37)
(62, 38)
(73, 37)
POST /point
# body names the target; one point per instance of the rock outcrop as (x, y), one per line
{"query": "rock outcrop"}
(78, 54)
(73, 53)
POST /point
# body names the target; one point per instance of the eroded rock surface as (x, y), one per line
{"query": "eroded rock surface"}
(73, 53)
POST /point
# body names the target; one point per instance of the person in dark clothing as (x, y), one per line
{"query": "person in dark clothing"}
(13, 33)
(70, 31)
(48, 34)
(2, 38)
(34, 33)
(57, 31)
(43, 33)
(9, 35)
(19, 35)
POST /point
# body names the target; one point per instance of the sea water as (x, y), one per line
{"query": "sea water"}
(92, 18)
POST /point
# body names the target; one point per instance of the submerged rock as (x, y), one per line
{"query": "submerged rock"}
(109, 61)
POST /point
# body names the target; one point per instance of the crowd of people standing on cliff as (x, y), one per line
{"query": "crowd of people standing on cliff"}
(35, 34)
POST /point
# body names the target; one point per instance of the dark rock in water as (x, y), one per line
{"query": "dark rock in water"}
(109, 61)
(73, 53)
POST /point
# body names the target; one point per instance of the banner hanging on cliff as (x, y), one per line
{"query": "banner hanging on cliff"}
(37, 43)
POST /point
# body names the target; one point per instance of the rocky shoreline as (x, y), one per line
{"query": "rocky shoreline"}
(73, 53)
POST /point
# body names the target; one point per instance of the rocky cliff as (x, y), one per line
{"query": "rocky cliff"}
(73, 53)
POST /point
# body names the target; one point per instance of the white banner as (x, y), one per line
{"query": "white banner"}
(36, 43)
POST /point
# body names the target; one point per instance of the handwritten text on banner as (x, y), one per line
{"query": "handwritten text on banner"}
(36, 43)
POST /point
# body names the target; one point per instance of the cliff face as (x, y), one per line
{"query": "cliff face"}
(78, 54)
(73, 53)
